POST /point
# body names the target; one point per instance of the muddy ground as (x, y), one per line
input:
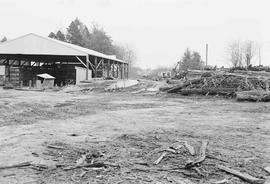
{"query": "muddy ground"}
(128, 132)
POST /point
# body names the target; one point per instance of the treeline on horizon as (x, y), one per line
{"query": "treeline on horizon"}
(95, 38)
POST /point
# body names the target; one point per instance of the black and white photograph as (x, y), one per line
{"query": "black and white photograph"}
(134, 92)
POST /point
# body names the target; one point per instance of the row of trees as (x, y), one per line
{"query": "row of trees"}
(95, 38)
(241, 53)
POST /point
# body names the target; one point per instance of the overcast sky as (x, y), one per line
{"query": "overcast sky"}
(159, 30)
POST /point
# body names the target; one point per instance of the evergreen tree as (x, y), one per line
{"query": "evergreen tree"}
(74, 35)
(52, 35)
(4, 39)
(60, 36)
(191, 60)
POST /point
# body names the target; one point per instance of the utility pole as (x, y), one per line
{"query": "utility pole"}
(206, 55)
(260, 60)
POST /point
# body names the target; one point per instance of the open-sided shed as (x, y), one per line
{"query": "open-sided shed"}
(31, 54)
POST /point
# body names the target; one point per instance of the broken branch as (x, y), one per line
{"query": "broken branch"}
(243, 176)
(189, 148)
(201, 156)
(85, 165)
(23, 164)
(160, 158)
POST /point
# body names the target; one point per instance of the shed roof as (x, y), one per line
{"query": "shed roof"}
(45, 76)
(33, 44)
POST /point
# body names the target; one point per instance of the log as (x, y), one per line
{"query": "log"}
(170, 150)
(246, 177)
(98, 164)
(207, 91)
(224, 181)
(201, 156)
(160, 158)
(253, 96)
(55, 147)
(176, 88)
(23, 164)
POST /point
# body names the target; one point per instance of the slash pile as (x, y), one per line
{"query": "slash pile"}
(220, 84)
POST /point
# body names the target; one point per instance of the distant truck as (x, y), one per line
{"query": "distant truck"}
(166, 74)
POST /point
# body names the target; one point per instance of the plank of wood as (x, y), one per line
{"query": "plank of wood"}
(55, 147)
(246, 177)
(267, 168)
(170, 150)
(23, 164)
(224, 181)
(160, 158)
(201, 156)
(98, 164)
(181, 180)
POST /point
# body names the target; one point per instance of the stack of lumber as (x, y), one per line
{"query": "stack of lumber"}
(221, 84)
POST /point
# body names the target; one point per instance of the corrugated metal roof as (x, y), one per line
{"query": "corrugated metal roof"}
(33, 44)
(45, 76)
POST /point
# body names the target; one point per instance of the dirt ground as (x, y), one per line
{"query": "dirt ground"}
(129, 132)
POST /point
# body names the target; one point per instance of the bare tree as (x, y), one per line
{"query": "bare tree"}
(235, 53)
(249, 50)
(126, 53)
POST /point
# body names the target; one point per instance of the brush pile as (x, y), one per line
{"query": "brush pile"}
(221, 84)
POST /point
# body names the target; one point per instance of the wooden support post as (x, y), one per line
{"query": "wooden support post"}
(103, 69)
(127, 69)
(121, 70)
(87, 67)
(117, 70)
(114, 69)
(95, 67)
(123, 65)
(108, 68)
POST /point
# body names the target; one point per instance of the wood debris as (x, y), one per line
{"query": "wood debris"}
(98, 164)
(55, 147)
(267, 168)
(176, 146)
(200, 157)
(160, 158)
(189, 148)
(224, 181)
(246, 177)
(81, 160)
(23, 164)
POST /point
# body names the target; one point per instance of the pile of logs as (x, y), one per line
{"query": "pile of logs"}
(220, 84)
